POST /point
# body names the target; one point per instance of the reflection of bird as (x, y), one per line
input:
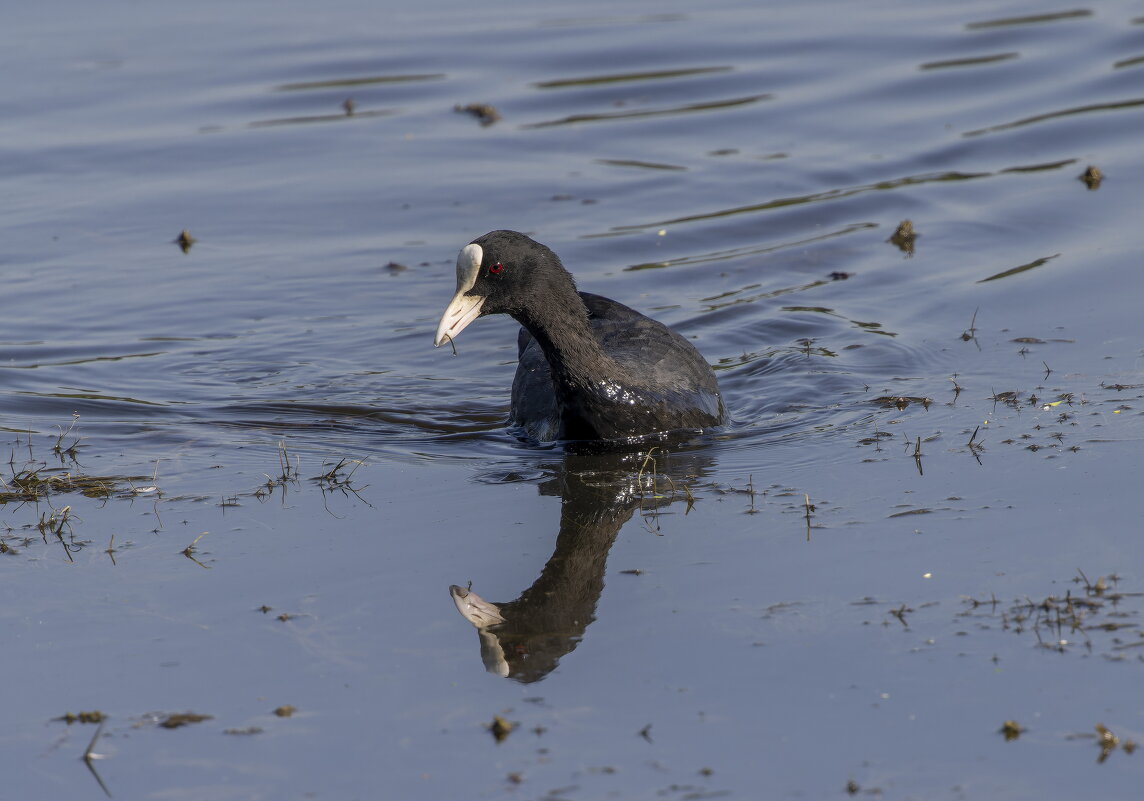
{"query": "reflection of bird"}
(599, 489)
(590, 368)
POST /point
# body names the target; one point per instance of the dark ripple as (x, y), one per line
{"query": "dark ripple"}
(356, 81)
(686, 108)
(1029, 19)
(34, 355)
(415, 424)
(629, 77)
(973, 61)
(1119, 105)
(888, 184)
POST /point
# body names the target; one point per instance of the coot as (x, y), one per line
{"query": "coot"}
(590, 368)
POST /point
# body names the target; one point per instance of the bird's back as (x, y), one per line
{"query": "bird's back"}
(663, 382)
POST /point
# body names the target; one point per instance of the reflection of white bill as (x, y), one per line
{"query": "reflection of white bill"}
(482, 614)
(474, 608)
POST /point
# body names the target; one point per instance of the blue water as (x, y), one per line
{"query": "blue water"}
(735, 171)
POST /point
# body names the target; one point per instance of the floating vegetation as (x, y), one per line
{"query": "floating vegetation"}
(185, 241)
(1091, 177)
(1048, 419)
(900, 402)
(339, 478)
(1096, 618)
(95, 716)
(336, 476)
(904, 237)
(1073, 621)
(1107, 741)
(191, 550)
(31, 481)
(647, 481)
(500, 728)
(1011, 730)
(288, 474)
(482, 111)
(176, 720)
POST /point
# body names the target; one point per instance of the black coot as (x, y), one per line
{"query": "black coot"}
(590, 368)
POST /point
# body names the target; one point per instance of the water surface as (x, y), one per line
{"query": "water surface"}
(916, 527)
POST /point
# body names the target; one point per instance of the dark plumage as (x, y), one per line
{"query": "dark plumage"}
(590, 368)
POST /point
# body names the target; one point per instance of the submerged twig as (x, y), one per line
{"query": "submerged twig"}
(190, 550)
(809, 509)
(89, 756)
(971, 332)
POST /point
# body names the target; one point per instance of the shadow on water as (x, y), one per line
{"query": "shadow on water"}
(525, 638)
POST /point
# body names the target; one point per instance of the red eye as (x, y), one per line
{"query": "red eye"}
(496, 268)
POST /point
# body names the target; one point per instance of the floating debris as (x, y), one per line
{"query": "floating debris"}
(1108, 743)
(1011, 730)
(1091, 177)
(35, 481)
(177, 719)
(1102, 614)
(482, 111)
(903, 238)
(501, 728)
(184, 240)
(901, 402)
(191, 550)
(95, 716)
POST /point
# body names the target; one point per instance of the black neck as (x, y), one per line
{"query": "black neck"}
(565, 335)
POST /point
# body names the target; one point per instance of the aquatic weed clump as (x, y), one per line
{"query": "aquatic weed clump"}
(31, 483)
